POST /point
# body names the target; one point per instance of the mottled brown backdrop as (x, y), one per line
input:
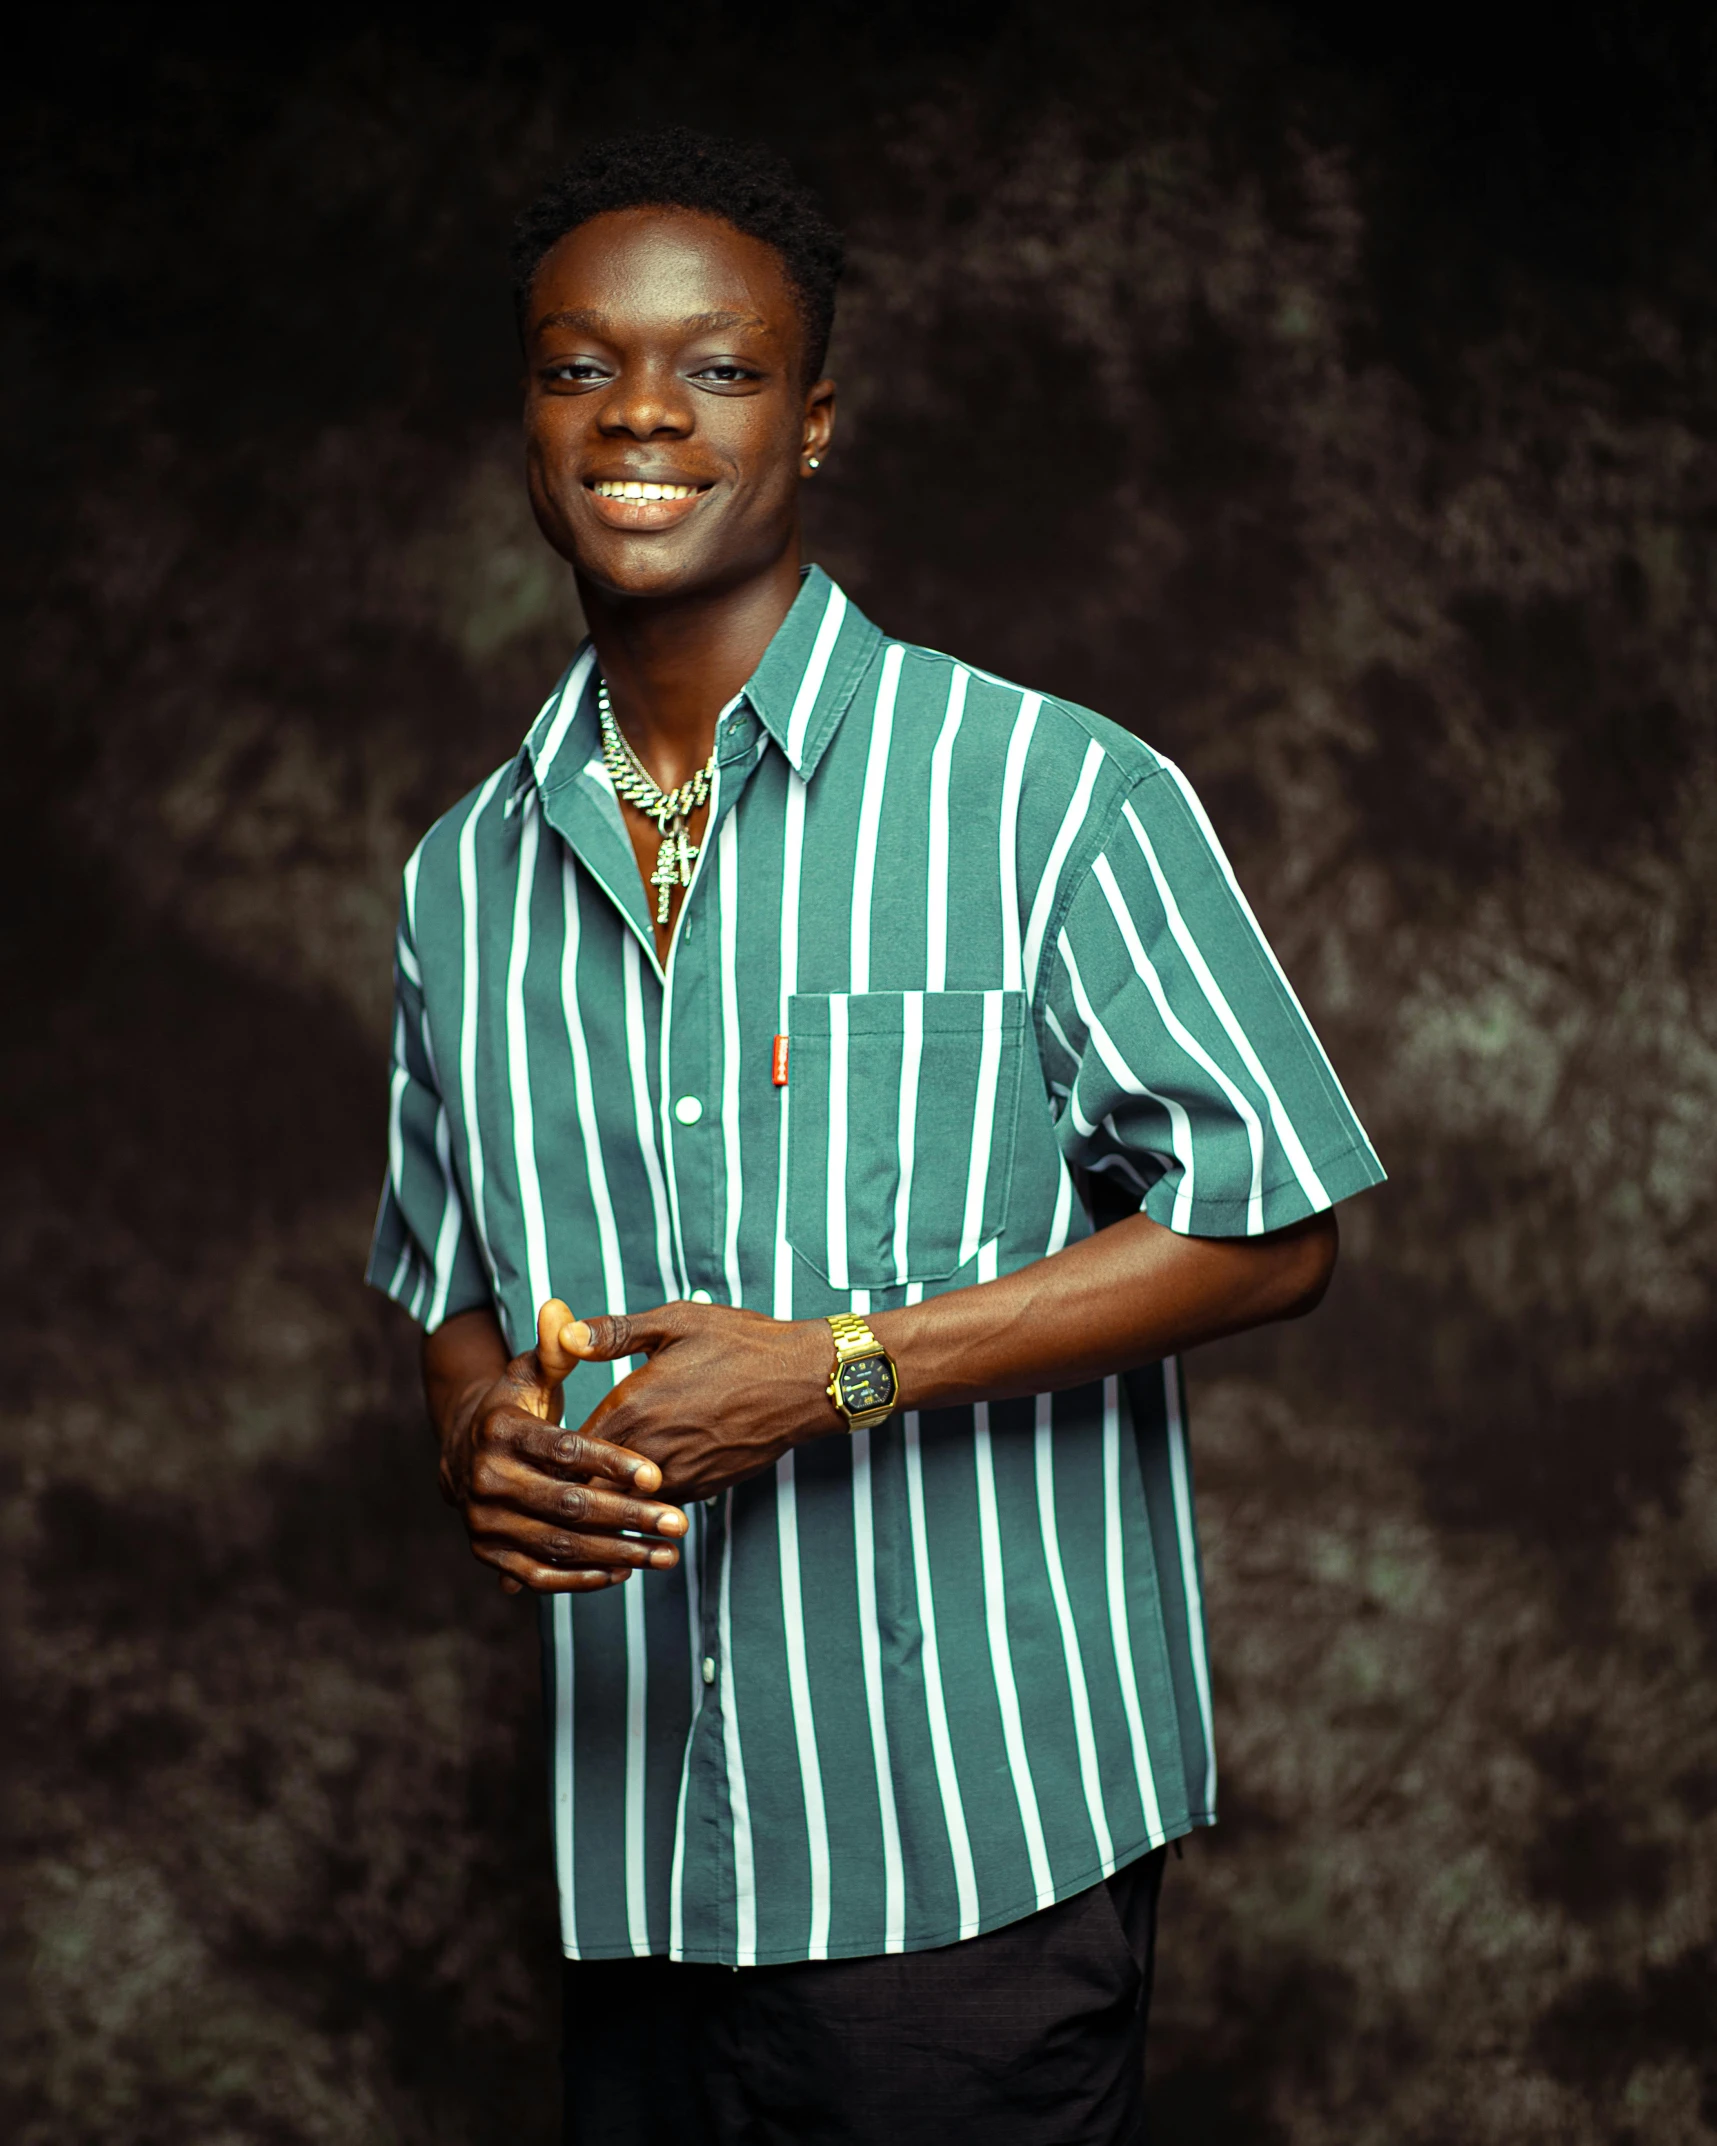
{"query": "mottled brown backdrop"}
(1339, 411)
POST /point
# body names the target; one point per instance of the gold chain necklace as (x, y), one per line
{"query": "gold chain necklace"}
(670, 809)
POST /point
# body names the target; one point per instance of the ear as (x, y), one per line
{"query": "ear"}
(819, 425)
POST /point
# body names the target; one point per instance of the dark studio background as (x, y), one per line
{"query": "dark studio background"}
(1337, 408)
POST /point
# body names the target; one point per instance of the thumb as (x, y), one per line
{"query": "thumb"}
(562, 1341)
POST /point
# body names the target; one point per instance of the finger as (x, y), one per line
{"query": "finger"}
(605, 1336)
(510, 1586)
(524, 1571)
(494, 1526)
(544, 1522)
(590, 1505)
(581, 1454)
(520, 1441)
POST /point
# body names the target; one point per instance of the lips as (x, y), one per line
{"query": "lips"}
(644, 503)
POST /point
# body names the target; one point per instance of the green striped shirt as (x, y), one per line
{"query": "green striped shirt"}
(919, 1682)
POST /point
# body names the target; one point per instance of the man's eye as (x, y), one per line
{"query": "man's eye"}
(582, 370)
(724, 375)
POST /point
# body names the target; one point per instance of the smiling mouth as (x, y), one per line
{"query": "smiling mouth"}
(641, 504)
(629, 488)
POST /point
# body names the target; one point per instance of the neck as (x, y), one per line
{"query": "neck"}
(674, 662)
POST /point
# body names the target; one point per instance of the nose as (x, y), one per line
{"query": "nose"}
(647, 403)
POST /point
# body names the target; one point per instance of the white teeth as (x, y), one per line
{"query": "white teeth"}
(615, 488)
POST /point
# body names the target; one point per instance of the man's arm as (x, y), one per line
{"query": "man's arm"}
(1130, 1295)
(725, 1393)
(543, 1505)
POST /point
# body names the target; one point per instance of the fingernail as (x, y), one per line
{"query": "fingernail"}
(671, 1524)
(575, 1335)
(661, 1559)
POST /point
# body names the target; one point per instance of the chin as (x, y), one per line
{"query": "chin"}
(641, 567)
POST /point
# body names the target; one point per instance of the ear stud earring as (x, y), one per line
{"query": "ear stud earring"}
(811, 462)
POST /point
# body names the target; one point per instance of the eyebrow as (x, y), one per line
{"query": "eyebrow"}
(593, 323)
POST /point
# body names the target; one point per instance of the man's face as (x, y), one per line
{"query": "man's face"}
(664, 348)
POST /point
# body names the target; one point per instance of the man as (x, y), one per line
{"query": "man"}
(770, 1032)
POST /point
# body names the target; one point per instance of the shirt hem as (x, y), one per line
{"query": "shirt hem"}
(934, 1941)
(1350, 1170)
(411, 1290)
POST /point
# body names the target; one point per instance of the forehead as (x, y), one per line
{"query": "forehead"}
(656, 270)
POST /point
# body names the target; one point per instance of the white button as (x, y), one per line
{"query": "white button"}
(688, 1110)
(709, 1668)
(701, 1296)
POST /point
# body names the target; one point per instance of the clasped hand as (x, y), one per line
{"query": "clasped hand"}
(722, 1395)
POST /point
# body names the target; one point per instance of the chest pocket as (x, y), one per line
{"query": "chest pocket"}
(903, 1108)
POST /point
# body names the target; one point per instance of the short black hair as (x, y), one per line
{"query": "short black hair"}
(744, 183)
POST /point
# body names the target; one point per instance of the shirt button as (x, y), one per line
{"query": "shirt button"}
(688, 1110)
(701, 1296)
(709, 1668)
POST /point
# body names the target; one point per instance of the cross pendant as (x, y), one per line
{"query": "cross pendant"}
(665, 877)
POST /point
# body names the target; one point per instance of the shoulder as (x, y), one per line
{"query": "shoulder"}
(432, 871)
(1054, 734)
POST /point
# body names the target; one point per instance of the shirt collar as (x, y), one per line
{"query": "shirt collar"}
(800, 690)
(811, 670)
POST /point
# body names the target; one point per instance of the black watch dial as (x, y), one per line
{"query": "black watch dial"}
(864, 1384)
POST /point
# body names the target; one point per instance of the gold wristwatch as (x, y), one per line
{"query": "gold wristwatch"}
(865, 1384)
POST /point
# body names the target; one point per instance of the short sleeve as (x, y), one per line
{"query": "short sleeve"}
(424, 1254)
(1191, 1075)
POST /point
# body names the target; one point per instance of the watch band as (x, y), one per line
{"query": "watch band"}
(853, 1337)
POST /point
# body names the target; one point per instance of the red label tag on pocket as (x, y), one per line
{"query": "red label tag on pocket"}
(778, 1063)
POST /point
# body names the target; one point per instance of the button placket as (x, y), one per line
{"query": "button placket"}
(705, 1822)
(688, 1071)
(692, 1068)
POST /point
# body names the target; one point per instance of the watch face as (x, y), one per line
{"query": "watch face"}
(865, 1384)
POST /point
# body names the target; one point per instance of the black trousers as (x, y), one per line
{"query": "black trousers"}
(1032, 2035)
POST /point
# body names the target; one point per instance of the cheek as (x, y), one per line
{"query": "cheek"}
(757, 441)
(771, 475)
(539, 480)
(554, 430)
(552, 508)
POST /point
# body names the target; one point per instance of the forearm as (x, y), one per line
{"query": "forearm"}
(726, 1392)
(1130, 1295)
